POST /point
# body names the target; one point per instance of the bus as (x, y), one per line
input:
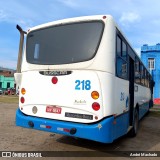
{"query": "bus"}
(80, 77)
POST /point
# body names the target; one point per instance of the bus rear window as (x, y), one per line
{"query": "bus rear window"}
(64, 44)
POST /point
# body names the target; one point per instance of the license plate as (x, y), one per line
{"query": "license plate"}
(53, 109)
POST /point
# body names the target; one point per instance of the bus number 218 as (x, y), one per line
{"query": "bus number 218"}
(83, 85)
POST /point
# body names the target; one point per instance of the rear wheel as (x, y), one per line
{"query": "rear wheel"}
(134, 130)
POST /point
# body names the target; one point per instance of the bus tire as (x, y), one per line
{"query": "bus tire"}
(134, 130)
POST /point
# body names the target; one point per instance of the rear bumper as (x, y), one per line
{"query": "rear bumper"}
(101, 131)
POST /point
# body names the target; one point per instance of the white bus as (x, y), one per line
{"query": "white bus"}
(80, 77)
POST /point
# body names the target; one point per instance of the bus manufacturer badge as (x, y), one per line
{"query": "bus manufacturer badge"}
(53, 109)
(80, 102)
(55, 73)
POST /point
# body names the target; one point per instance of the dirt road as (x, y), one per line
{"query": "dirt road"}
(14, 138)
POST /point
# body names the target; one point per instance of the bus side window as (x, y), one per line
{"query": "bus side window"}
(146, 80)
(121, 59)
(137, 71)
(142, 75)
(124, 50)
(119, 46)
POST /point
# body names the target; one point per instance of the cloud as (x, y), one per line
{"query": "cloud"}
(13, 18)
(129, 18)
(69, 3)
(2, 15)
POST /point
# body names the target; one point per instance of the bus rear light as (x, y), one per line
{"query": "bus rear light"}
(96, 106)
(95, 95)
(22, 100)
(104, 17)
(54, 80)
(23, 91)
(96, 117)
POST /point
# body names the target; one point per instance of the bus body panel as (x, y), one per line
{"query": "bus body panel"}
(105, 131)
(142, 99)
(115, 94)
(121, 96)
(72, 94)
(101, 61)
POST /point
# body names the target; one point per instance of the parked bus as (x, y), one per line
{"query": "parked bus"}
(80, 77)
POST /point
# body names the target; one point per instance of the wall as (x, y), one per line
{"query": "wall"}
(5, 80)
(153, 52)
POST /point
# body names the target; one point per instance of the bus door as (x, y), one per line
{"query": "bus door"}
(131, 90)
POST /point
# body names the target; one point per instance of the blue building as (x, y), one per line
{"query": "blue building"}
(150, 56)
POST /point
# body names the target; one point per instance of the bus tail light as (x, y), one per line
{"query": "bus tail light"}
(54, 80)
(95, 95)
(96, 106)
(22, 100)
(23, 91)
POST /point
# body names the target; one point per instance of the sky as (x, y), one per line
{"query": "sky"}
(138, 19)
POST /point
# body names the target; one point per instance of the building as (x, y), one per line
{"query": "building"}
(150, 56)
(6, 78)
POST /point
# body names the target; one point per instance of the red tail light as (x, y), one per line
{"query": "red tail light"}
(54, 80)
(22, 100)
(96, 106)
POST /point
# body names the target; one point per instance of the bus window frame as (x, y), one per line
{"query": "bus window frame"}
(132, 54)
(126, 59)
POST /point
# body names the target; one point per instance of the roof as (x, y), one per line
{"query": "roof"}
(147, 48)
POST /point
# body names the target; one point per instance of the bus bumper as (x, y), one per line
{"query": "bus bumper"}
(101, 131)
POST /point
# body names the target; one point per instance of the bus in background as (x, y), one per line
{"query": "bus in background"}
(80, 77)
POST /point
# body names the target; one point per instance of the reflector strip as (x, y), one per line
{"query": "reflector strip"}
(44, 126)
(63, 129)
(66, 130)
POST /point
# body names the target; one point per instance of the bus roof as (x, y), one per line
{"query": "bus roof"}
(71, 20)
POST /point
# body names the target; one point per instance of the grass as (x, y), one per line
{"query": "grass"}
(9, 99)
